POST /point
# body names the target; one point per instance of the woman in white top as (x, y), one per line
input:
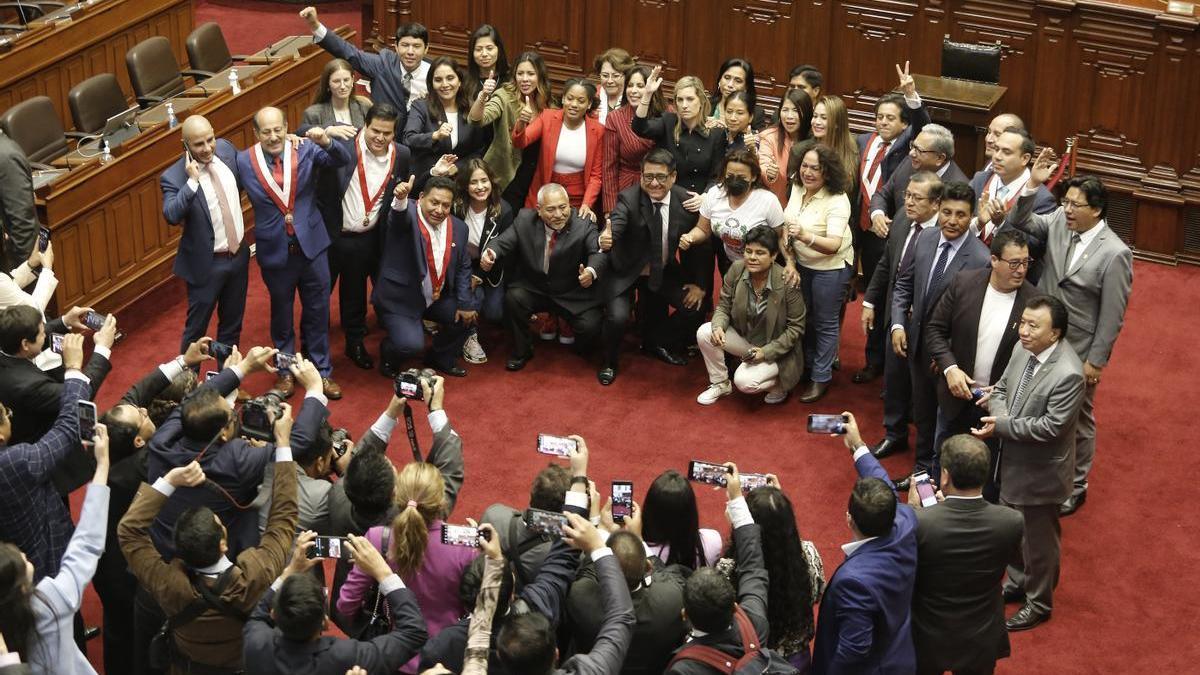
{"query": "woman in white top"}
(738, 203)
(819, 233)
(438, 125)
(11, 292)
(478, 203)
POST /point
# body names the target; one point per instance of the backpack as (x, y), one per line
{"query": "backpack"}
(755, 660)
(162, 645)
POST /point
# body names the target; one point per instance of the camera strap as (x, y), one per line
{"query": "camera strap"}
(411, 427)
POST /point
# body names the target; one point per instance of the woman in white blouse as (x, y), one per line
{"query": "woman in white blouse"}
(11, 292)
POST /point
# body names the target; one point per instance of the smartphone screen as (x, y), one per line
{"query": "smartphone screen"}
(86, 410)
(925, 489)
(43, 238)
(94, 320)
(460, 535)
(753, 481)
(219, 350)
(56, 342)
(328, 547)
(622, 500)
(559, 446)
(707, 472)
(545, 522)
(827, 424)
(283, 360)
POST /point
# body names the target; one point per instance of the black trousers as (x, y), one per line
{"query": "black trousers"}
(223, 292)
(897, 395)
(148, 617)
(354, 258)
(519, 303)
(870, 248)
(656, 324)
(116, 588)
(924, 408)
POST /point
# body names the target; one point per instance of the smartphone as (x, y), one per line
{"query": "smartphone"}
(94, 320)
(219, 351)
(827, 424)
(86, 411)
(328, 547)
(56, 342)
(187, 152)
(283, 360)
(925, 489)
(707, 472)
(622, 500)
(43, 238)
(753, 481)
(460, 535)
(545, 522)
(559, 446)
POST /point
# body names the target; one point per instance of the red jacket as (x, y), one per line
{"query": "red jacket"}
(547, 126)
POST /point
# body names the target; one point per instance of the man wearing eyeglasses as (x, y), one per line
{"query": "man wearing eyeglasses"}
(971, 335)
(641, 236)
(1090, 270)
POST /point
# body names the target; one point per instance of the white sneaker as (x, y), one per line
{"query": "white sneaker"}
(473, 351)
(714, 392)
(775, 396)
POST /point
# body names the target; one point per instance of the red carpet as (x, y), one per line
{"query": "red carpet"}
(250, 25)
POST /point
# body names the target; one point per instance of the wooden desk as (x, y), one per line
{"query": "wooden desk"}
(286, 48)
(220, 81)
(966, 108)
(52, 58)
(157, 115)
(112, 242)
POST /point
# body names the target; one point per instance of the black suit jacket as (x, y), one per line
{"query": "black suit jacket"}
(404, 266)
(963, 547)
(890, 197)
(333, 182)
(952, 332)
(18, 218)
(883, 280)
(578, 244)
(473, 140)
(634, 244)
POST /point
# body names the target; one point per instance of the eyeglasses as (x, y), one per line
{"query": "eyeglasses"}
(1017, 263)
(915, 197)
(611, 76)
(913, 147)
(652, 178)
(1068, 205)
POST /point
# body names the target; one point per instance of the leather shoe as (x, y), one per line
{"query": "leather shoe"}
(813, 392)
(868, 373)
(357, 353)
(517, 362)
(333, 391)
(888, 446)
(388, 369)
(664, 355)
(285, 384)
(902, 484)
(1013, 594)
(1025, 618)
(1072, 504)
(606, 375)
(453, 370)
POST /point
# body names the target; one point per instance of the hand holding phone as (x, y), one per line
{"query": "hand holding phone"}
(753, 481)
(546, 523)
(925, 489)
(328, 547)
(56, 343)
(827, 424)
(708, 473)
(43, 241)
(284, 361)
(94, 320)
(622, 500)
(461, 535)
(557, 446)
(86, 412)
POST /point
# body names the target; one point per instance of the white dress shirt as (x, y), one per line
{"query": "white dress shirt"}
(997, 189)
(1085, 238)
(993, 319)
(353, 205)
(873, 149)
(229, 185)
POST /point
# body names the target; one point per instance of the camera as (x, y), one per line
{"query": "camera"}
(408, 383)
(259, 415)
(338, 438)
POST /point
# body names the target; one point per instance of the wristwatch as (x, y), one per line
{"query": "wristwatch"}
(580, 480)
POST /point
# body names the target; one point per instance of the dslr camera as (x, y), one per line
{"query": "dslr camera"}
(408, 383)
(259, 415)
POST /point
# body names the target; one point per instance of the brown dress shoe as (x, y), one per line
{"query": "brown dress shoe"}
(813, 392)
(332, 391)
(285, 384)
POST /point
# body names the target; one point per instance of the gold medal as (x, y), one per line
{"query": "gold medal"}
(288, 219)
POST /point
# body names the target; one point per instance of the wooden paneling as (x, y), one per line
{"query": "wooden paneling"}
(52, 59)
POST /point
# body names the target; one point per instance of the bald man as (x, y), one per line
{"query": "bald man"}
(281, 180)
(202, 194)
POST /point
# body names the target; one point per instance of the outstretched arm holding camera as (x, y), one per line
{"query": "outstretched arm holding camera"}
(313, 411)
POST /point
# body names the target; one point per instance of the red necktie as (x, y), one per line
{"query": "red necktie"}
(865, 217)
(549, 250)
(277, 175)
(883, 150)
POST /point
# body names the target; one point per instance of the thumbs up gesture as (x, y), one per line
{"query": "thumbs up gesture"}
(489, 85)
(527, 113)
(606, 238)
(403, 188)
(585, 277)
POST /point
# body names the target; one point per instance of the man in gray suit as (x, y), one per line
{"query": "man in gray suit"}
(1090, 270)
(16, 205)
(1033, 409)
(963, 545)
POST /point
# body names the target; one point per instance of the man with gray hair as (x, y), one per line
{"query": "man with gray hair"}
(557, 260)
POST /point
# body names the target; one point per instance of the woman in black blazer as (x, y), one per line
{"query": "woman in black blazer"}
(439, 126)
(479, 205)
(335, 102)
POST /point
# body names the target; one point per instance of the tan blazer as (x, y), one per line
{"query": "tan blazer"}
(785, 319)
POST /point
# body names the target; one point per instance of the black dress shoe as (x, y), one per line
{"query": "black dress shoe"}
(357, 354)
(517, 362)
(813, 392)
(664, 355)
(1025, 618)
(453, 370)
(867, 374)
(1072, 504)
(888, 446)
(388, 369)
(606, 375)
(902, 484)
(1013, 594)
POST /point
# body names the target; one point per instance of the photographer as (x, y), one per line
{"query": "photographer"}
(324, 457)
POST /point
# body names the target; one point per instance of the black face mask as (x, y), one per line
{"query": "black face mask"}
(736, 185)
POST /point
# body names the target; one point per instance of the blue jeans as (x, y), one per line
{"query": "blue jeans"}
(490, 300)
(824, 291)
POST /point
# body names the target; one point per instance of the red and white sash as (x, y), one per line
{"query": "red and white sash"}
(370, 201)
(435, 279)
(284, 196)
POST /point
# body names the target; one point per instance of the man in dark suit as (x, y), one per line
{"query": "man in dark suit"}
(558, 261)
(425, 274)
(922, 203)
(202, 192)
(641, 240)
(1033, 410)
(284, 634)
(938, 255)
(971, 335)
(864, 620)
(291, 239)
(999, 185)
(17, 214)
(963, 545)
(354, 199)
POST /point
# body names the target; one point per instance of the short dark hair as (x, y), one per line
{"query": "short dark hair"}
(1008, 237)
(549, 488)
(745, 158)
(370, 481)
(440, 183)
(898, 101)
(931, 179)
(764, 236)
(413, 30)
(526, 644)
(708, 598)
(1093, 190)
(872, 507)
(959, 191)
(1027, 144)
(198, 537)
(588, 88)
(300, 607)
(630, 553)
(202, 415)
(966, 459)
(121, 433)
(660, 156)
(810, 73)
(385, 112)
(320, 446)
(17, 323)
(1058, 311)
(832, 168)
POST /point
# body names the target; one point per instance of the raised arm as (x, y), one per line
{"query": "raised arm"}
(83, 552)
(447, 451)
(616, 631)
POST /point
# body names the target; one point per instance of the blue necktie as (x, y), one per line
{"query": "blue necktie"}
(939, 269)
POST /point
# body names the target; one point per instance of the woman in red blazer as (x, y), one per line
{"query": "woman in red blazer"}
(571, 147)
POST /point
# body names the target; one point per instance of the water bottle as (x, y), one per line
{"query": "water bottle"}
(233, 82)
(172, 120)
(106, 154)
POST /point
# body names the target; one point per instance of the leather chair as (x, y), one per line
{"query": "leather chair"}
(971, 61)
(31, 10)
(154, 72)
(95, 100)
(207, 50)
(35, 126)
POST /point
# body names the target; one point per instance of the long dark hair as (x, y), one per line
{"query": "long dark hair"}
(17, 621)
(657, 102)
(462, 198)
(324, 95)
(462, 99)
(789, 595)
(543, 86)
(669, 516)
(487, 30)
(804, 108)
(751, 97)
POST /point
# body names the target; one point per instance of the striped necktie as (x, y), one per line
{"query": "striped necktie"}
(1026, 376)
